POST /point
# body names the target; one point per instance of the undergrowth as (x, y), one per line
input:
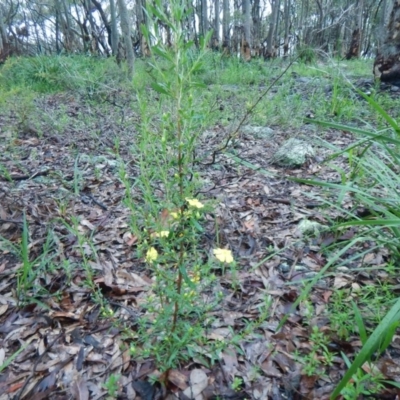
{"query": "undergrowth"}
(167, 228)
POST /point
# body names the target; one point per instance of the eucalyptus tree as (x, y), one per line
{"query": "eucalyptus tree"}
(226, 18)
(271, 38)
(357, 31)
(127, 36)
(387, 61)
(203, 17)
(287, 25)
(141, 42)
(217, 24)
(3, 35)
(114, 29)
(246, 40)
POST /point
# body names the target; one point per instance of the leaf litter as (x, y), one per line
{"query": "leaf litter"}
(59, 344)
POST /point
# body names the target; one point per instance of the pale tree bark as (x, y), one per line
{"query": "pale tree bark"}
(270, 51)
(226, 43)
(302, 35)
(58, 23)
(246, 41)
(217, 24)
(237, 28)
(167, 29)
(386, 7)
(141, 20)
(3, 33)
(387, 62)
(356, 37)
(114, 29)
(277, 37)
(319, 32)
(126, 32)
(94, 44)
(204, 18)
(256, 37)
(287, 28)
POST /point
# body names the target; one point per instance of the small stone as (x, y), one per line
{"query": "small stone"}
(292, 153)
(307, 227)
(258, 131)
(303, 79)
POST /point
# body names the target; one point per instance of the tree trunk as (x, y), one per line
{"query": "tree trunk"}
(354, 50)
(387, 62)
(245, 47)
(226, 43)
(270, 51)
(217, 24)
(204, 17)
(141, 20)
(126, 32)
(107, 26)
(256, 16)
(383, 21)
(287, 28)
(356, 37)
(68, 33)
(58, 23)
(320, 33)
(3, 34)
(114, 29)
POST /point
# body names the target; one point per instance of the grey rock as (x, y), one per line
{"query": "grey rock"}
(303, 79)
(292, 153)
(262, 132)
(310, 228)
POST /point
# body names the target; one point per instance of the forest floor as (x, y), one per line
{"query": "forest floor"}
(60, 161)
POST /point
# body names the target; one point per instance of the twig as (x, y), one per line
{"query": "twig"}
(25, 177)
(248, 113)
(18, 396)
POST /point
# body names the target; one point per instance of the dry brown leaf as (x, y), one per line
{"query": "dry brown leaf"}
(198, 381)
(79, 389)
(179, 379)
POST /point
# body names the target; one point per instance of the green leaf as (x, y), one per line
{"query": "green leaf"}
(368, 348)
(387, 339)
(160, 88)
(372, 222)
(145, 32)
(156, 12)
(379, 137)
(162, 53)
(188, 45)
(9, 360)
(304, 293)
(186, 278)
(360, 323)
(197, 226)
(378, 108)
(392, 383)
(200, 85)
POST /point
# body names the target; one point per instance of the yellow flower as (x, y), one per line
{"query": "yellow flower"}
(151, 255)
(174, 215)
(196, 277)
(223, 255)
(194, 203)
(161, 234)
(189, 295)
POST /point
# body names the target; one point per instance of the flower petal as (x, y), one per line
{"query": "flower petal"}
(223, 255)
